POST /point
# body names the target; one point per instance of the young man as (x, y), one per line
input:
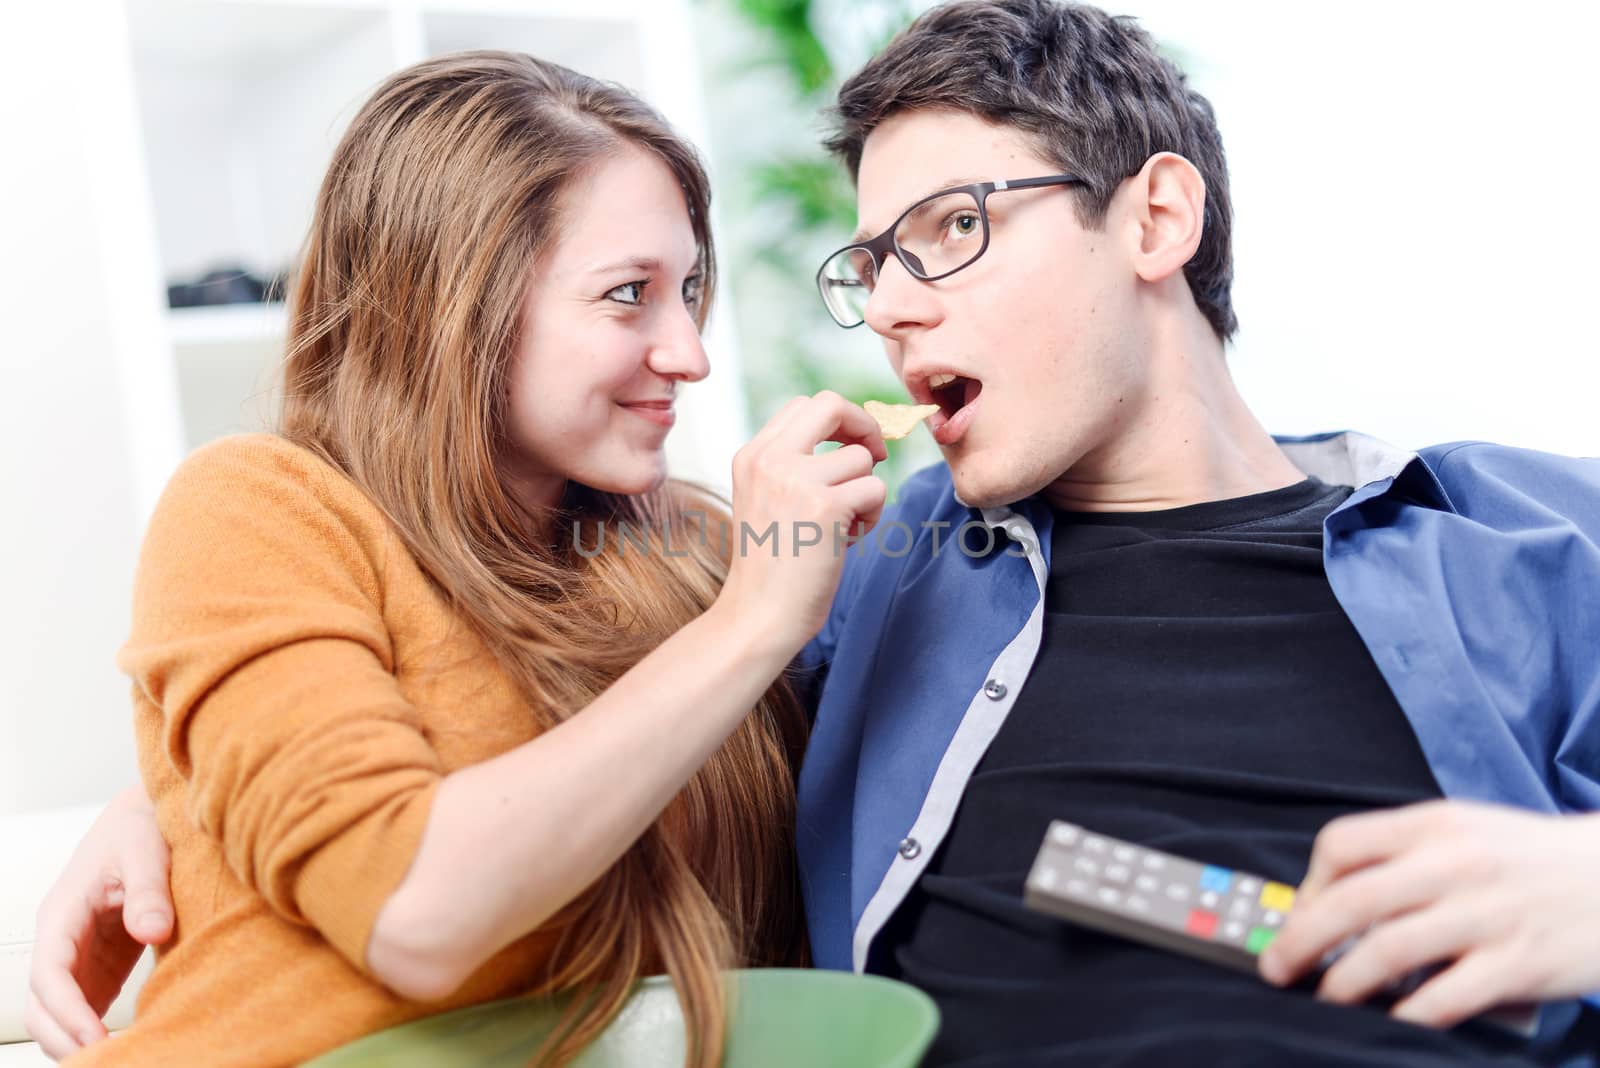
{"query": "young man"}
(1121, 603)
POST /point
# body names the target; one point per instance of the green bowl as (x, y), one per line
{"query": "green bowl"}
(782, 1018)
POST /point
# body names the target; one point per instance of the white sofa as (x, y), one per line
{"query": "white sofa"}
(34, 847)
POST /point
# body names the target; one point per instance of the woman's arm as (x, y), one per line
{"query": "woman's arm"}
(510, 841)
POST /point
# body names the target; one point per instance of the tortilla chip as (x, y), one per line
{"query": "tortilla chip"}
(896, 420)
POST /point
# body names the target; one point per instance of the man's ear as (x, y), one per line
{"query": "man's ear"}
(1167, 206)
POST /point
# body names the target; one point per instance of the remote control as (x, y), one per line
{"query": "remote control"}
(1202, 910)
(1170, 902)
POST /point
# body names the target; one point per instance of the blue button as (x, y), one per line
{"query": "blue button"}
(1216, 879)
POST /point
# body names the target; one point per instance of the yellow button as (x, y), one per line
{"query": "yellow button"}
(1277, 897)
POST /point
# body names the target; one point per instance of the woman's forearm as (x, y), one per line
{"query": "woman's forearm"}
(512, 840)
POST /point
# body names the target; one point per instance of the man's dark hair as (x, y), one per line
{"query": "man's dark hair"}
(1090, 89)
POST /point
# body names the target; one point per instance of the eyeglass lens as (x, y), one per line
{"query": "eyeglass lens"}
(940, 235)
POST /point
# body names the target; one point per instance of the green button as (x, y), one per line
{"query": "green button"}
(1260, 938)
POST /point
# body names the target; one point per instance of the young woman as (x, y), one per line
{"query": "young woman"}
(410, 747)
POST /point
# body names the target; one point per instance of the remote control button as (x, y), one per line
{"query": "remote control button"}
(1272, 919)
(1092, 844)
(1065, 834)
(1045, 877)
(1153, 862)
(1201, 924)
(1109, 896)
(1215, 879)
(1148, 883)
(1177, 892)
(1138, 904)
(1234, 931)
(1118, 873)
(1124, 854)
(1078, 888)
(1087, 866)
(1248, 885)
(1209, 899)
(1239, 908)
(1260, 938)
(1277, 897)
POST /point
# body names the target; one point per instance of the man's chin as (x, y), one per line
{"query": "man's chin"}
(977, 492)
(994, 483)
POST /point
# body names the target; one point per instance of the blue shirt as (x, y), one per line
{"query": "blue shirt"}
(1471, 572)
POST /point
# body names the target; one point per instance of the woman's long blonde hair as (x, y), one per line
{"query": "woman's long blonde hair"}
(442, 197)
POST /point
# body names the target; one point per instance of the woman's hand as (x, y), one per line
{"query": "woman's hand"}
(1507, 900)
(110, 902)
(792, 510)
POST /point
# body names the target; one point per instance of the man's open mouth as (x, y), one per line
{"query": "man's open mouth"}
(955, 395)
(952, 392)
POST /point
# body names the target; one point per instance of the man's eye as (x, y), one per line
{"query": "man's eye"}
(962, 224)
(627, 293)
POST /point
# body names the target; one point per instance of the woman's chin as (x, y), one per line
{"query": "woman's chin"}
(637, 479)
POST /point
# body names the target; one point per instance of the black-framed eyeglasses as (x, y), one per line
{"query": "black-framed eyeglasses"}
(935, 237)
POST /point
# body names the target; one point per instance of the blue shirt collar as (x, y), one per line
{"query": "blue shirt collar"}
(1342, 458)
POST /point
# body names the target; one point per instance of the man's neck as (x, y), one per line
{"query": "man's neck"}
(1190, 439)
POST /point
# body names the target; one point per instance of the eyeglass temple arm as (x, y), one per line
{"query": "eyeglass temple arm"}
(1032, 183)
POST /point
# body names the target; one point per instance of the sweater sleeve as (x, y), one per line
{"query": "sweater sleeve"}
(258, 631)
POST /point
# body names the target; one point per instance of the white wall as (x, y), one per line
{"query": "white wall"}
(76, 480)
(1414, 188)
(93, 419)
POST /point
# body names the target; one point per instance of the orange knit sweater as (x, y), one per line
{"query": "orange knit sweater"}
(300, 688)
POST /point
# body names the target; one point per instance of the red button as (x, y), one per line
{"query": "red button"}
(1201, 923)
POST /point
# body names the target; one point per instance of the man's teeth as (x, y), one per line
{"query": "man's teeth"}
(940, 381)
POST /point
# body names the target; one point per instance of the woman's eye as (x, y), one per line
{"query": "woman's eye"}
(693, 291)
(628, 293)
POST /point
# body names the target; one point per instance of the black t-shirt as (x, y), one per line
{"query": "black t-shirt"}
(1198, 690)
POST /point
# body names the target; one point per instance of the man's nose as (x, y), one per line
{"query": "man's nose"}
(900, 301)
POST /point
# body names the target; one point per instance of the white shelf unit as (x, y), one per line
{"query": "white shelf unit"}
(241, 103)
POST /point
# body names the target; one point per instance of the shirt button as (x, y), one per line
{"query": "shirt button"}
(910, 848)
(994, 689)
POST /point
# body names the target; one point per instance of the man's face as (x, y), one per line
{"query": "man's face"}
(1041, 331)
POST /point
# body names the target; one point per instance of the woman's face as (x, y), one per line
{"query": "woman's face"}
(608, 334)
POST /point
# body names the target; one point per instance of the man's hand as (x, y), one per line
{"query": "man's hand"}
(1507, 900)
(110, 902)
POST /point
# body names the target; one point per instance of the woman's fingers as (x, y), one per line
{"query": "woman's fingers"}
(144, 863)
(48, 1031)
(111, 901)
(54, 989)
(829, 417)
(842, 464)
(864, 497)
